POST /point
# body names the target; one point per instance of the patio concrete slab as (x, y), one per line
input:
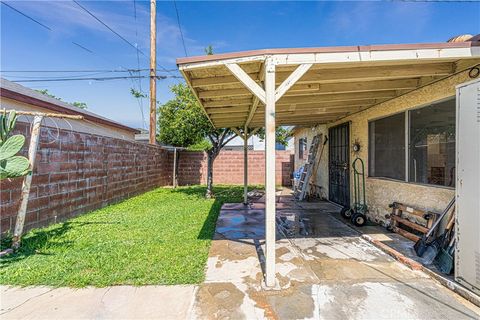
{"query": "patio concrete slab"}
(325, 270)
(121, 302)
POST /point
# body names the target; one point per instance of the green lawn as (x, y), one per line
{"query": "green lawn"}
(160, 237)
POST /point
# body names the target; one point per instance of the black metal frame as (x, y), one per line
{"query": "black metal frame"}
(339, 164)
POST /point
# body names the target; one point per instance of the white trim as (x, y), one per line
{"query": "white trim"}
(350, 56)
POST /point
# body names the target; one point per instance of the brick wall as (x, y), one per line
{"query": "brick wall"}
(78, 172)
(228, 168)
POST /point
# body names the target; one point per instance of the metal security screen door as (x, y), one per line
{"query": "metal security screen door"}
(339, 164)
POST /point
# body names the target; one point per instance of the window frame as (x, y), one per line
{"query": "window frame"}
(407, 143)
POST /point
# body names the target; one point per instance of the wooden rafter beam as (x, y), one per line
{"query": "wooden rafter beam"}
(327, 88)
(326, 98)
(362, 73)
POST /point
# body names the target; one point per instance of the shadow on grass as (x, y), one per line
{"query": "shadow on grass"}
(223, 194)
(38, 239)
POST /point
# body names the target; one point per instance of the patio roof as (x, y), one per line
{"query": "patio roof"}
(269, 88)
(328, 83)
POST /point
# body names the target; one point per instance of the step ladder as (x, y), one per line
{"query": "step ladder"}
(303, 183)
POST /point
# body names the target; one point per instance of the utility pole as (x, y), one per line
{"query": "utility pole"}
(153, 71)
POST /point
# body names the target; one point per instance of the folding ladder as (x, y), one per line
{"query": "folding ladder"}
(303, 184)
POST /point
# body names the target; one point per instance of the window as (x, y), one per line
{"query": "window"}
(302, 148)
(387, 147)
(432, 144)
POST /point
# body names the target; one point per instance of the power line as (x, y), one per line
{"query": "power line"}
(82, 47)
(139, 81)
(87, 70)
(180, 27)
(27, 16)
(115, 32)
(94, 78)
(104, 24)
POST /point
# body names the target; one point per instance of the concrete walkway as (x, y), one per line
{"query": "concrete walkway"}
(121, 302)
(325, 270)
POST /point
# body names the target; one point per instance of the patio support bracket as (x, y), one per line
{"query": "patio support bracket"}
(246, 80)
(291, 80)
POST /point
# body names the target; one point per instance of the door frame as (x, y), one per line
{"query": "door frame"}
(348, 156)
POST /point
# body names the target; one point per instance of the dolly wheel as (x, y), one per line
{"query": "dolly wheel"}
(359, 219)
(346, 212)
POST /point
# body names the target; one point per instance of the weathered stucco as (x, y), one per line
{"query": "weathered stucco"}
(381, 192)
(321, 178)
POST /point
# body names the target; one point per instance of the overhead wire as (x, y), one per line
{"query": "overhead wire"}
(159, 77)
(27, 16)
(86, 70)
(180, 28)
(116, 33)
(139, 99)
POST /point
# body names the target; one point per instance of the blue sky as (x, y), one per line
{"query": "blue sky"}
(226, 25)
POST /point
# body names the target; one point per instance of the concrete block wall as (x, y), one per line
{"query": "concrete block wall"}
(79, 172)
(228, 168)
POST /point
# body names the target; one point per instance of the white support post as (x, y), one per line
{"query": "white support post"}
(270, 172)
(245, 165)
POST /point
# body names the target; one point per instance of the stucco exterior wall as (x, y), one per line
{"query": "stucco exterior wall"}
(82, 126)
(381, 192)
(321, 177)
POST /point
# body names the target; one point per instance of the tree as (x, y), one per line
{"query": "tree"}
(81, 105)
(282, 135)
(182, 123)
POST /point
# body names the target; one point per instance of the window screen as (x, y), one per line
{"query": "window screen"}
(432, 144)
(387, 147)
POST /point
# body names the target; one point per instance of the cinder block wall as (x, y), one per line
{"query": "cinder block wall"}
(79, 172)
(228, 168)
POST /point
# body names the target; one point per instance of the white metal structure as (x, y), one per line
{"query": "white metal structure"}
(467, 253)
(307, 86)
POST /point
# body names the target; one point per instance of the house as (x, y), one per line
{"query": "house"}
(254, 143)
(17, 97)
(395, 103)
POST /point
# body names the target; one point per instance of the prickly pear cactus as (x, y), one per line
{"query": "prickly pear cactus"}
(11, 165)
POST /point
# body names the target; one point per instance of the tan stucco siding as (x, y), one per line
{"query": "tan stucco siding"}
(322, 170)
(75, 125)
(381, 192)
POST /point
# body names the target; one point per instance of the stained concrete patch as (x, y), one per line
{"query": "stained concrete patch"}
(294, 304)
(376, 300)
(225, 301)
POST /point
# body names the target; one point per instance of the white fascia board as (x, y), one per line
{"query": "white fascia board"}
(387, 55)
(197, 65)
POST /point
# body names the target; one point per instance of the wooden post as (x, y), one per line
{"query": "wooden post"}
(174, 168)
(245, 165)
(153, 71)
(27, 182)
(270, 172)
